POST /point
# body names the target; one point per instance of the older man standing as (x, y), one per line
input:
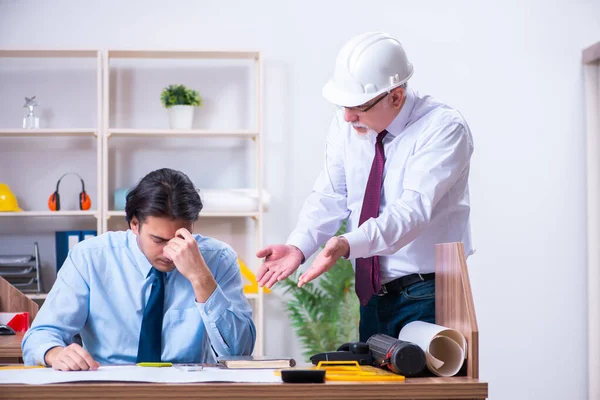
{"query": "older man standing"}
(397, 166)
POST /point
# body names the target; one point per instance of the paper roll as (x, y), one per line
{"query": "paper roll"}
(445, 349)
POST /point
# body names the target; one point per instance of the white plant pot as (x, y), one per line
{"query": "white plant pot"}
(181, 117)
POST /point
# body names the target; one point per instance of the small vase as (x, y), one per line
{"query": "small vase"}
(181, 117)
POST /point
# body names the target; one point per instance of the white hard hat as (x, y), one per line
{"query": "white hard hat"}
(367, 65)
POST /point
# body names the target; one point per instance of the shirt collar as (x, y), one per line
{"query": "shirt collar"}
(401, 121)
(141, 261)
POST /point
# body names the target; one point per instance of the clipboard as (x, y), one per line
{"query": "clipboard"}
(352, 371)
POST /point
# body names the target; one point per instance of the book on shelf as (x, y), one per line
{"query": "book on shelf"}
(249, 362)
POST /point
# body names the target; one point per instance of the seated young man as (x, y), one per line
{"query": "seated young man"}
(153, 293)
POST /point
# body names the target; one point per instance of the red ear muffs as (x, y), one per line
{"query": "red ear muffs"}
(85, 203)
(54, 202)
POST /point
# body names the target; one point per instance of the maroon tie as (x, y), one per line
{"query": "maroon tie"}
(368, 278)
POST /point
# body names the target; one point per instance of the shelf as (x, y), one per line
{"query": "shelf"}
(21, 53)
(36, 296)
(243, 214)
(184, 54)
(74, 213)
(181, 133)
(46, 132)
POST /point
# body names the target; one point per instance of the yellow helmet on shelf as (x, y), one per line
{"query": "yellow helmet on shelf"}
(8, 201)
(252, 286)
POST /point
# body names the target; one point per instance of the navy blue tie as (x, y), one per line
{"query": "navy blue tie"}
(149, 349)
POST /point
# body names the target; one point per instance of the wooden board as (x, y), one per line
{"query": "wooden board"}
(454, 306)
(12, 300)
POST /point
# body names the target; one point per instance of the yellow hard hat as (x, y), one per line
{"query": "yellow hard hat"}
(8, 201)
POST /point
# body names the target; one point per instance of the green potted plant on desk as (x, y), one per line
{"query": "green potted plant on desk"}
(180, 102)
(325, 313)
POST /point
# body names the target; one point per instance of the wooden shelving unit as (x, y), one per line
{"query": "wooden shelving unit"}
(180, 133)
(201, 215)
(52, 214)
(93, 132)
(103, 133)
(47, 132)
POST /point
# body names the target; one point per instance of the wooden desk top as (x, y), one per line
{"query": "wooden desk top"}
(10, 345)
(412, 388)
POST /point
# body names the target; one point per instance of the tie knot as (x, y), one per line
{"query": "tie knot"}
(381, 135)
(158, 274)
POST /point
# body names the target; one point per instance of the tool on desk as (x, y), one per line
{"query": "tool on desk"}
(399, 356)
(302, 376)
(6, 330)
(352, 371)
(383, 351)
(154, 364)
(356, 351)
(189, 367)
(349, 371)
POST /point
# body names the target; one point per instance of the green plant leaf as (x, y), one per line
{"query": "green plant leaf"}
(174, 95)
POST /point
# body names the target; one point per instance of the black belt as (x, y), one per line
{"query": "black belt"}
(398, 285)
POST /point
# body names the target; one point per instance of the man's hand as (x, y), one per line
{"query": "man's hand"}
(70, 358)
(335, 248)
(184, 252)
(280, 262)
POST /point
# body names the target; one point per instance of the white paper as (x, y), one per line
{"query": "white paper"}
(445, 349)
(232, 200)
(41, 376)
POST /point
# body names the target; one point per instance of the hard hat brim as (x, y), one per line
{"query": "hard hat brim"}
(332, 94)
(344, 99)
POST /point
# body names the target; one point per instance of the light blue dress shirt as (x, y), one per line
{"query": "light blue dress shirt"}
(101, 291)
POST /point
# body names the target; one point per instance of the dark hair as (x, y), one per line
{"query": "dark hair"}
(163, 193)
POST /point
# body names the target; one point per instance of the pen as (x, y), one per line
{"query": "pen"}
(21, 367)
(154, 364)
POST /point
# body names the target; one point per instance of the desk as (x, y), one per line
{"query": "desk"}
(10, 348)
(413, 388)
(454, 308)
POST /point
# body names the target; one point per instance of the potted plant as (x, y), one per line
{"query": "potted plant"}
(325, 313)
(180, 102)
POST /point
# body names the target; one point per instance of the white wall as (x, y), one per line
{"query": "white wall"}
(512, 68)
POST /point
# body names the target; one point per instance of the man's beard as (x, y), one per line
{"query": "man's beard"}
(365, 136)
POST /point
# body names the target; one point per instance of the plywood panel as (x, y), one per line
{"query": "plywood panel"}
(12, 300)
(454, 306)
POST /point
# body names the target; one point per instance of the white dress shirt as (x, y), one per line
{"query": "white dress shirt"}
(425, 194)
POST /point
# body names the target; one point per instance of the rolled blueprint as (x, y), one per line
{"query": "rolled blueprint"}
(445, 349)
